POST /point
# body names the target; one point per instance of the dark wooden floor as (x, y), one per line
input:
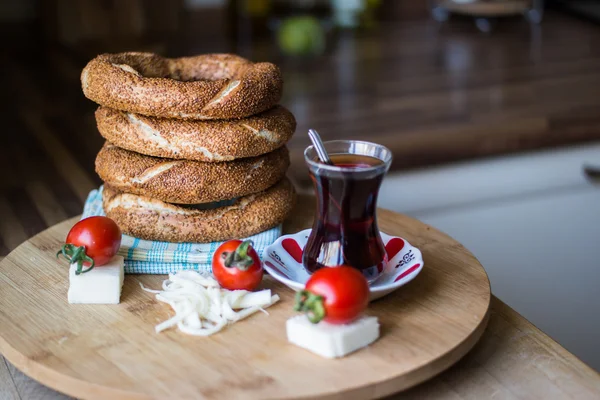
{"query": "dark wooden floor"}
(431, 93)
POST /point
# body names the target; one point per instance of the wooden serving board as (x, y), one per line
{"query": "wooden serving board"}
(112, 352)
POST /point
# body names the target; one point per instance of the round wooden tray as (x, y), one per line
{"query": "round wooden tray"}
(112, 352)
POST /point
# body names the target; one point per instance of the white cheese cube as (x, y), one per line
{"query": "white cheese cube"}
(101, 285)
(329, 340)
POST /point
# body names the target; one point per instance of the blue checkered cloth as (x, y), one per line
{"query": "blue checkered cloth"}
(152, 257)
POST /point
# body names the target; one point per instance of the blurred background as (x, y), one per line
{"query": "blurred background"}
(491, 109)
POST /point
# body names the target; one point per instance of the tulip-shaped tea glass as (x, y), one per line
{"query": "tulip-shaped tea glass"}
(345, 227)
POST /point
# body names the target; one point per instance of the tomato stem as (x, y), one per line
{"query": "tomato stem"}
(76, 255)
(311, 304)
(243, 248)
(239, 258)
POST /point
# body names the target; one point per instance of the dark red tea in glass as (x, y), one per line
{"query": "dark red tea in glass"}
(345, 227)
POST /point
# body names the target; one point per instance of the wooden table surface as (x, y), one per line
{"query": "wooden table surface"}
(432, 93)
(512, 360)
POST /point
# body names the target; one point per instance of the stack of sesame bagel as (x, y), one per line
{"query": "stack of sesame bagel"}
(195, 147)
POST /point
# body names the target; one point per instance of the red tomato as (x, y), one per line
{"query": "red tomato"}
(237, 266)
(93, 241)
(336, 294)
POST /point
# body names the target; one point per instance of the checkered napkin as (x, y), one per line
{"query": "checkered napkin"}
(151, 257)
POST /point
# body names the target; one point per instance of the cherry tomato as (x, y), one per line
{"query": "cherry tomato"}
(93, 241)
(237, 266)
(336, 294)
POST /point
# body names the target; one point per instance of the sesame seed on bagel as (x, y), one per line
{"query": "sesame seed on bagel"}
(210, 141)
(151, 219)
(189, 182)
(210, 86)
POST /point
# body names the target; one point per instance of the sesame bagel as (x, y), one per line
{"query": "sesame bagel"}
(151, 219)
(189, 182)
(211, 86)
(197, 140)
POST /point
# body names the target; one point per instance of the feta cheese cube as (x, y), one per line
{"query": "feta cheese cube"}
(329, 340)
(101, 285)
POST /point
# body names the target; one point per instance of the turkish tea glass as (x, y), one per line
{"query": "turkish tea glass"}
(345, 227)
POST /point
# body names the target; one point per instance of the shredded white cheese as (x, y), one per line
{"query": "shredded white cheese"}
(202, 307)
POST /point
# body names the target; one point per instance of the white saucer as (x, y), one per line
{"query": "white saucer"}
(283, 261)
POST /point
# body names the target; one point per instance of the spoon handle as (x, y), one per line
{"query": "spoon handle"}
(319, 147)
